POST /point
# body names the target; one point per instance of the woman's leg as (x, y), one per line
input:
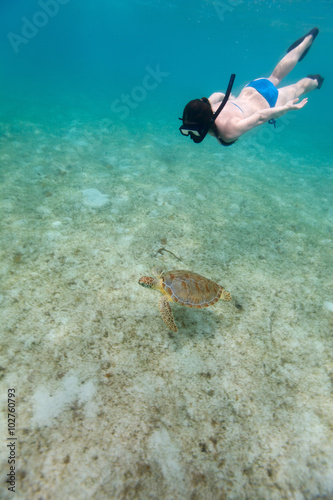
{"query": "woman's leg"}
(289, 61)
(296, 90)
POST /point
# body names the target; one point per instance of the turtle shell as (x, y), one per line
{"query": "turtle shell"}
(190, 289)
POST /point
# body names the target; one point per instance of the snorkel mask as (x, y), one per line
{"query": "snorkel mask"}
(197, 131)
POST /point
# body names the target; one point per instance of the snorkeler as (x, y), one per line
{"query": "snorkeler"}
(259, 102)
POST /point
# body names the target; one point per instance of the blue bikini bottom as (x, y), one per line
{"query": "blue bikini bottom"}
(266, 89)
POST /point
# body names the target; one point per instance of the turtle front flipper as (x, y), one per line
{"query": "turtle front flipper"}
(225, 295)
(166, 313)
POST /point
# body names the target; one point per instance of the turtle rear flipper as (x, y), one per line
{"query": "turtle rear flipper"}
(166, 313)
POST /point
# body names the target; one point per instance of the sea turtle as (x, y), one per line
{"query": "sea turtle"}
(185, 287)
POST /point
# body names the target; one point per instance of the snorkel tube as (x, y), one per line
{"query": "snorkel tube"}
(226, 97)
(198, 133)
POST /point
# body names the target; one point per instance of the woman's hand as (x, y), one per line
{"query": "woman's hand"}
(294, 104)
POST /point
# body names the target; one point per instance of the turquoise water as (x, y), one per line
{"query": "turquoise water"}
(98, 188)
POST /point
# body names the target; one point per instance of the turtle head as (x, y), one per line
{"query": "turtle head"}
(147, 282)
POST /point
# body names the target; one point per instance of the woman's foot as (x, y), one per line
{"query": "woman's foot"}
(314, 32)
(319, 79)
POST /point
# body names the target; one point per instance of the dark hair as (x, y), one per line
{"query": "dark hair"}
(198, 111)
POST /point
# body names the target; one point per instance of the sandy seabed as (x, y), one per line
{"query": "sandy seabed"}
(110, 404)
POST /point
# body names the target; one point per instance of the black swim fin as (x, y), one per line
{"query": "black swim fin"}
(319, 79)
(314, 32)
